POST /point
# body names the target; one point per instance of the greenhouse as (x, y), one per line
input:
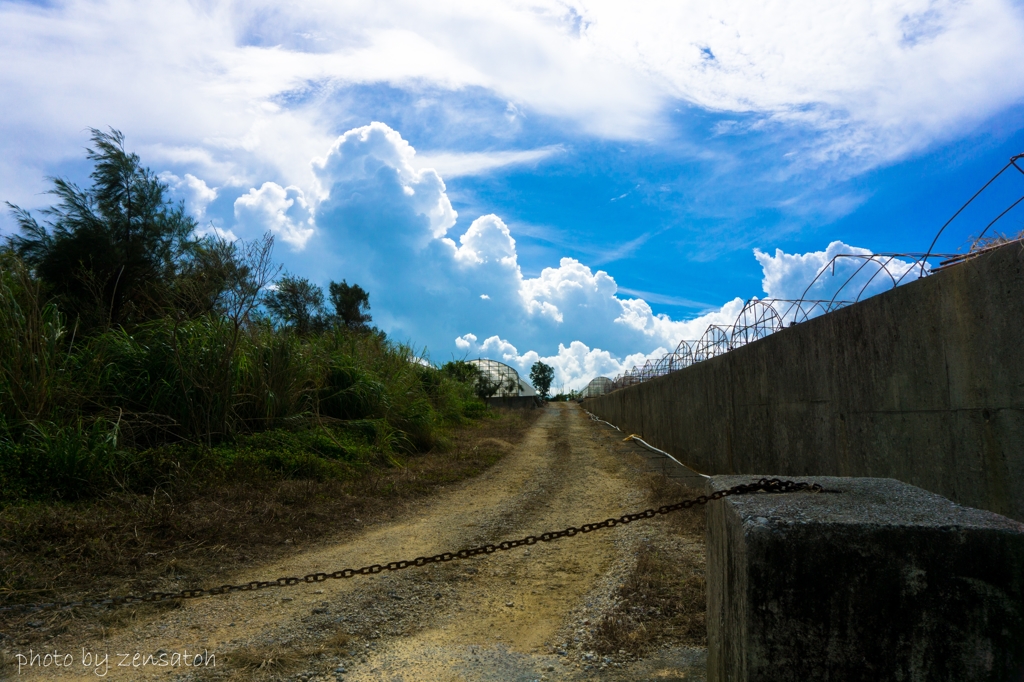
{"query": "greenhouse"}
(597, 386)
(498, 380)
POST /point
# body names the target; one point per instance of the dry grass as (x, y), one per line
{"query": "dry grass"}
(273, 662)
(688, 523)
(8, 666)
(338, 642)
(165, 541)
(663, 600)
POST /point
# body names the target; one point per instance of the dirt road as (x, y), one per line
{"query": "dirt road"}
(525, 614)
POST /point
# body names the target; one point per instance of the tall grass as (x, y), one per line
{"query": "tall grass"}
(129, 409)
(31, 348)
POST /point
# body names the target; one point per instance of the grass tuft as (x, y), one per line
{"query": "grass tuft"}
(266, 662)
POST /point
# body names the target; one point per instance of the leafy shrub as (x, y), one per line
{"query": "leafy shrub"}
(133, 409)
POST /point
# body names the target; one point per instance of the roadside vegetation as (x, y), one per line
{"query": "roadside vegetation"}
(194, 533)
(163, 394)
(663, 600)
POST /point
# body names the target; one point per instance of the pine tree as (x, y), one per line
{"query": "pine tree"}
(109, 252)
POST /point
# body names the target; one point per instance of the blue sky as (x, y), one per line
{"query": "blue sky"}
(581, 182)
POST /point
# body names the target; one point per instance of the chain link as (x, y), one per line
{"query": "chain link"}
(767, 485)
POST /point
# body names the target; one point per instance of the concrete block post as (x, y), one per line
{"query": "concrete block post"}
(877, 580)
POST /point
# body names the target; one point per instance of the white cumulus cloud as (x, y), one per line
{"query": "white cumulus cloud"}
(218, 232)
(282, 211)
(392, 228)
(487, 240)
(844, 272)
(194, 191)
(361, 154)
(465, 342)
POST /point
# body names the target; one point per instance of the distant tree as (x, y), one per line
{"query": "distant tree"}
(297, 303)
(541, 376)
(109, 252)
(351, 303)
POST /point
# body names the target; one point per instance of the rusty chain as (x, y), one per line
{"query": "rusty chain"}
(768, 485)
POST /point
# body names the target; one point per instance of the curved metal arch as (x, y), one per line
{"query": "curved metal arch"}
(882, 266)
(1013, 162)
(795, 311)
(881, 261)
(661, 367)
(713, 343)
(669, 363)
(757, 320)
(682, 357)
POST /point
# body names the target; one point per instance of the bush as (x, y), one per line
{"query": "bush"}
(133, 409)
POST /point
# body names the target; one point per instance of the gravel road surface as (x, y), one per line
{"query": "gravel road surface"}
(524, 614)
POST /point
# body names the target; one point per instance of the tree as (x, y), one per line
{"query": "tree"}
(541, 376)
(223, 277)
(297, 303)
(224, 280)
(111, 251)
(351, 303)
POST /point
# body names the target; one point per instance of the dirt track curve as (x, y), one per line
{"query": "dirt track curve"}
(516, 615)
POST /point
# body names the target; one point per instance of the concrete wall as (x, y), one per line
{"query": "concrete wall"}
(924, 383)
(870, 580)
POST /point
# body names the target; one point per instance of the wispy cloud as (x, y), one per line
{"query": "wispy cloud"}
(609, 255)
(665, 299)
(456, 164)
(870, 83)
(596, 254)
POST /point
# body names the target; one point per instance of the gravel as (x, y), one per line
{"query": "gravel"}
(527, 614)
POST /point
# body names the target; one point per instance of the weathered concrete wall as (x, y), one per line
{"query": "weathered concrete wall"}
(924, 383)
(871, 580)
